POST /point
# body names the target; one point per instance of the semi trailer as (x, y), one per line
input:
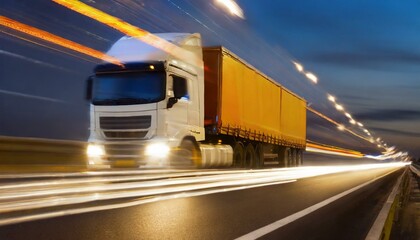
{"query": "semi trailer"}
(156, 109)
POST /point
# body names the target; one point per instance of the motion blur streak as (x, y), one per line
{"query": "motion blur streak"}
(30, 96)
(46, 36)
(95, 190)
(130, 30)
(336, 123)
(313, 147)
(24, 58)
(47, 46)
(233, 7)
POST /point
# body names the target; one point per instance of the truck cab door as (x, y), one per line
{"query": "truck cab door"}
(177, 106)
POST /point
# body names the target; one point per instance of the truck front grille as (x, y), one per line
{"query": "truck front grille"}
(136, 134)
(132, 122)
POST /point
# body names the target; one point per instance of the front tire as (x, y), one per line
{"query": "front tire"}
(188, 155)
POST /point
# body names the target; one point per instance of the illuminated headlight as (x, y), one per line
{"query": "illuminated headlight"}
(157, 150)
(95, 150)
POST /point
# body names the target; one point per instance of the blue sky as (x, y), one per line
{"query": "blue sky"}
(366, 52)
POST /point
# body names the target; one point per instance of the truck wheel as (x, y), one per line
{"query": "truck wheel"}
(294, 157)
(259, 155)
(285, 156)
(290, 157)
(299, 157)
(250, 157)
(238, 155)
(188, 155)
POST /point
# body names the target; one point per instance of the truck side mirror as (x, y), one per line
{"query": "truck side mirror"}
(171, 102)
(89, 88)
(179, 86)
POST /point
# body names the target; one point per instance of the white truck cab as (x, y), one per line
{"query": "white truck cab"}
(149, 105)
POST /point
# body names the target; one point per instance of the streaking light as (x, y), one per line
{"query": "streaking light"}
(352, 121)
(44, 194)
(232, 7)
(335, 123)
(131, 30)
(339, 107)
(311, 77)
(389, 155)
(348, 115)
(331, 98)
(360, 124)
(332, 150)
(298, 66)
(49, 37)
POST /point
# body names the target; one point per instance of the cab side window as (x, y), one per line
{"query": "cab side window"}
(180, 88)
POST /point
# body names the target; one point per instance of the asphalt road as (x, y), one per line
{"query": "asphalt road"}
(233, 214)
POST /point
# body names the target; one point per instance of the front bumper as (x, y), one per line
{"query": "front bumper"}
(129, 154)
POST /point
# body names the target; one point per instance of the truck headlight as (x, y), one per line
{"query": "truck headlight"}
(94, 150)
(157, 150)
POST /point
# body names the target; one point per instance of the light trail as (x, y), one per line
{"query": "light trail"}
(232, 7)
(31, 60)
(49, 37)
(131, 30)
(32, 195)
(332, 150)
(336, 123)
(48, 46)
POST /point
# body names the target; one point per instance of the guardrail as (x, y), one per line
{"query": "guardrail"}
(35, 154)
(398, 198)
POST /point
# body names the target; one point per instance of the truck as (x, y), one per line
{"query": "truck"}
(159, 110)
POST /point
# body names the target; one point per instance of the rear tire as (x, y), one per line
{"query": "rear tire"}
(285, 156)
(238, 155)
(259, 156)
(299, 157)
(250, 157)
(294, 157)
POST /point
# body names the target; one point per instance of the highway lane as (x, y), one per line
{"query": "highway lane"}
(229, 215)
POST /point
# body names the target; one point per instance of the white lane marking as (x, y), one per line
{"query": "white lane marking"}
(58, 213)
(284, 221)
(376, 231)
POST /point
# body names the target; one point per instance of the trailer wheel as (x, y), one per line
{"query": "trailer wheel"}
(250, 157)
(259, 155)
(285, 155)
(299, 157)
(290, 157)
(238, 155)
(294, 157)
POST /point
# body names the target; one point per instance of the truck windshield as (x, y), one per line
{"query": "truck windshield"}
(128, 88)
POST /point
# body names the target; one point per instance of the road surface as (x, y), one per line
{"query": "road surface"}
(230, 214)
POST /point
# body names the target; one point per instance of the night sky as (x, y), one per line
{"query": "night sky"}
(365, 53)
